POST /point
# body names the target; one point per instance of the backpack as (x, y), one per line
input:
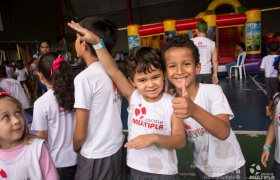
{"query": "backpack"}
(276, 63)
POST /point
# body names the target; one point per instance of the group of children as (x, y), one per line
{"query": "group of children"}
(88, 108)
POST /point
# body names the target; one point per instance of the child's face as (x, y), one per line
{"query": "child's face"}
(11, 123)
(180, 64)
(150, 85)
(44, 48)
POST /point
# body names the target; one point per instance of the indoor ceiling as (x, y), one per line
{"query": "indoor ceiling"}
(146, 11)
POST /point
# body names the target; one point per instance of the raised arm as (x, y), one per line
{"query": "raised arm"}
(105, 58)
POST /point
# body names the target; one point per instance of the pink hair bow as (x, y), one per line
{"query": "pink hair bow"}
(56, 63)
(4, 93)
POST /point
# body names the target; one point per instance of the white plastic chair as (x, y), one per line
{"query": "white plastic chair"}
(240, 65)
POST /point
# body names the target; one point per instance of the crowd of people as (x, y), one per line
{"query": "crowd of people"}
(77, 119)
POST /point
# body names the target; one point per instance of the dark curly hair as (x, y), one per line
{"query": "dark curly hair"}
(62, 80)
(141, 59)
(103, 28)
(20, 64)
(178, 42)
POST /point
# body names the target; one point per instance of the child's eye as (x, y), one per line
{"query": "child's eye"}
(6, 117)
(171, 66)
(18, 113)
(155, 77)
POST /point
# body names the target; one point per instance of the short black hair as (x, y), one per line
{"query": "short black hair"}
(242, 45)
(3, 73)
(273, 46)
(103, 28)
(180, 42)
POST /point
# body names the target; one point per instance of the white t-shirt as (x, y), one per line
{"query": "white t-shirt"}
(13, 86)
(206, 48)
(267, 64)
(212, 156)
(118, 57)
(147, 118)
(60, 125)
(35, 68)
(67, 57)
(26, 165)
(21, 74)
(277, 132)
(96, 92)
(8, 71)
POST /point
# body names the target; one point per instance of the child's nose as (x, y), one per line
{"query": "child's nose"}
(150, 83)
(180, 69)
(15, 120)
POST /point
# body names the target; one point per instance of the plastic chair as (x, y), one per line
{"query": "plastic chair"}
(239, 65)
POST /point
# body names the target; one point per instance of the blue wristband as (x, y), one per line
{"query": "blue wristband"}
(99, 45)
(266, 147)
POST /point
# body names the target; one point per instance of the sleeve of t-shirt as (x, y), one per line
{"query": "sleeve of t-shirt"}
(263, 63)
(46, 164)
(83, 92)
(219, 103)
(40, 122)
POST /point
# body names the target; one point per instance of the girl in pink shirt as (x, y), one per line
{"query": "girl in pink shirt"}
(22, 155)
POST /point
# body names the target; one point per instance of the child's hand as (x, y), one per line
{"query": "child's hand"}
(183, 107)
(264, 158)
(87, 35)
(141, 141)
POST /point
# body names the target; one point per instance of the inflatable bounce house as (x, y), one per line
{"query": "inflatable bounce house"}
(228, 23)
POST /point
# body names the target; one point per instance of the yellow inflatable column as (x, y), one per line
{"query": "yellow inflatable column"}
(133, 36)
(169, 28)
(253, 31)
(211, 21)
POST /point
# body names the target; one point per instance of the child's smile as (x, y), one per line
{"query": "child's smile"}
(180, 64)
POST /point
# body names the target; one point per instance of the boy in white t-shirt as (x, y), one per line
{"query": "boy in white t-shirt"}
(271, 74)
(206, 114)
(98, 136)
(154, 133)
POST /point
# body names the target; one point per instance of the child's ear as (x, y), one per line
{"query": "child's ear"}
(85, 46)
(131, 82)
(41, 77)
(197, 68)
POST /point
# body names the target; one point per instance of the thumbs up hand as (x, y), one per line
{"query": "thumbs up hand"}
(183, 107)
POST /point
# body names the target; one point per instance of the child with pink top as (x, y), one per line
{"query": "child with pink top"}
(20, 151)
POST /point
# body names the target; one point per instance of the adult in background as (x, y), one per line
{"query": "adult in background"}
(207, 52)
(239, 48)
(44, 47)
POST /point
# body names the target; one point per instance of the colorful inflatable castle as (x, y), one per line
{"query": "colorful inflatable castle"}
(228, 23)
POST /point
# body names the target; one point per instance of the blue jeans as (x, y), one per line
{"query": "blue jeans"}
(228, 65)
